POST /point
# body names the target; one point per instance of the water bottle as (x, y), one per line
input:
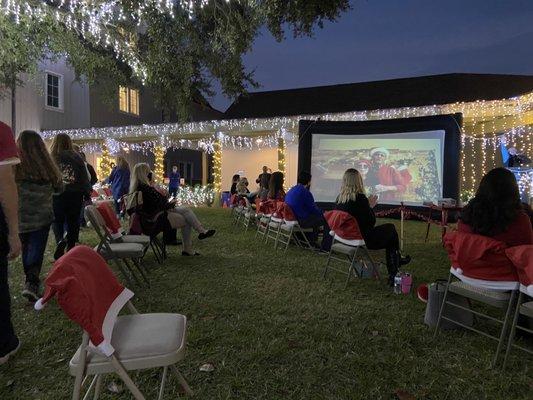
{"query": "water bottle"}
(398, 283)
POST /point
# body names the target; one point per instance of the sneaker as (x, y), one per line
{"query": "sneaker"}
(422, 292)
(207, 234)
(11, 350)
(31, 292)
(60, 249)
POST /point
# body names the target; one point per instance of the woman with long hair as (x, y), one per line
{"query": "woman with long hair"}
(38, 178)
(234, 181)
(275, 187)
(67, 205)
(156, 207)
(120, 181)
(242, 186)
(496, 211)
(352, 199)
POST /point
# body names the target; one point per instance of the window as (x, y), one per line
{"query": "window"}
(54, 91)
(128, 100)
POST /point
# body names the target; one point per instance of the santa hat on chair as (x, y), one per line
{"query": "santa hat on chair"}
(88, 292)
(522, 258)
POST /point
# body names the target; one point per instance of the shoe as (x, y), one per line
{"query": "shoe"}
(184, 253)
(11, 350)
(205, 235)
(31, 292)
(60, 249)
(405, 260)
(422, 292)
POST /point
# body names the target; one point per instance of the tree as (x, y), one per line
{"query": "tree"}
(176, 47)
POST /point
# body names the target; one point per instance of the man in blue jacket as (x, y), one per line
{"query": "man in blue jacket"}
(173, 181)
(302, 203)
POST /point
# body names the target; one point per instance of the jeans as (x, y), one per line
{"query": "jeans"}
(67, 208)
(6, 328)
(316, 221)
(33, 247)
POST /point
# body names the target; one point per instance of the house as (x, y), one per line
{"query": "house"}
(56, 100)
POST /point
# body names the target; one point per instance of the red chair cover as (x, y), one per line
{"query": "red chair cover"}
(479, 257)
(111, 221)
(88, 292)
(135, 224)
(343, 224)
(108, 192)
(522, 258)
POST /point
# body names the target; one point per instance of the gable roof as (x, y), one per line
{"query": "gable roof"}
(393, 93)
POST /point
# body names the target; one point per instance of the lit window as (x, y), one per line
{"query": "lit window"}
(54, 91)
(128, 100)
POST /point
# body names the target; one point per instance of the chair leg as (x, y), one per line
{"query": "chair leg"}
(91, 386)
(504, 328)
(442, 306)
(141, 269)
(131, 270)
(78, 381)
(351, 268)
(513, 329)
(327, 263)
(123, 272)
(126, 378)
(163, 380)
(97, 387)
(182, 381)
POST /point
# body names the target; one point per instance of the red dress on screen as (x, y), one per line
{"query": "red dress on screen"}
(519, 232)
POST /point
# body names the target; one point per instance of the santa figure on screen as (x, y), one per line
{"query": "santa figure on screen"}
(385, 180)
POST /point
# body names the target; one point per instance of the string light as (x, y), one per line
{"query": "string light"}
(217, 167)
(196, 196)
(282, 148)
(104, 168)
(159, 170)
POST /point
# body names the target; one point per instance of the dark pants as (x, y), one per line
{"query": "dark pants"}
(33, 246)
(316, 222)
(67, 208)
(6, 328)
(172, 191)
(385, 237)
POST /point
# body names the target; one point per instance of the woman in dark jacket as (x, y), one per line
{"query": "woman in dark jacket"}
(38, 178)
(120, 181)
(352, 199)
(67, 205)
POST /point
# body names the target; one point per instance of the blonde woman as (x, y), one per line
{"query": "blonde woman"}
(352, 199)
(242, 186)
(157, 208)
(67, 205)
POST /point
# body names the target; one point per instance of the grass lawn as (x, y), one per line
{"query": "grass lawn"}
(274, 329)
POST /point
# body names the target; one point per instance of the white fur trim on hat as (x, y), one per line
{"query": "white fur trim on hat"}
(530, 290)
(106, 348)
(379, 150)
(39, 305)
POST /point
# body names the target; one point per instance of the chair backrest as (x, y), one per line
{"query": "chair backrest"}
(133, 201)
(88, 293)
(112, 224)
(522, 259)
(343, 224)
(479, 257)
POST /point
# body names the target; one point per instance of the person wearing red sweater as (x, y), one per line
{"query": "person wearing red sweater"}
(496, 210)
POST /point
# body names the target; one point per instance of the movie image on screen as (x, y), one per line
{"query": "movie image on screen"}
(397, 167)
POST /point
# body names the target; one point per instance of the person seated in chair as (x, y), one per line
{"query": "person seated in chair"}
(302, 203)
(496, 210)
(275, 188)
(352, 199)
(163, 213)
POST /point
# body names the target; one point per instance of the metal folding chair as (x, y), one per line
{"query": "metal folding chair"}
(525, 309)
(262, 225)
(120, 253)
(274, 227)
(498, 294)
(350, 251)
(292, 231)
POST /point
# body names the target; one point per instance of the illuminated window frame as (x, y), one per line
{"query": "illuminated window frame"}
(128, 100)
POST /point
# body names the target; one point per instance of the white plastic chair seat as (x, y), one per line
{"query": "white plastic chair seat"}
(122, 250)
(276, 220)
(141, 341)
(343, 249)
(140, 239)
(288, 227)
(273, 224)
(494, 297)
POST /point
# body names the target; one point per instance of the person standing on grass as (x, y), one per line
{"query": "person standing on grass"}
(67, 205)
(38, 178)
(302, 203)
(120, 181)
(173, 181)
(10, 246)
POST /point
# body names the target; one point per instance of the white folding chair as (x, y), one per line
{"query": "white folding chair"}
(292, 231)
(274, 227)
(498, 294)
(525, 309)
(349, 249)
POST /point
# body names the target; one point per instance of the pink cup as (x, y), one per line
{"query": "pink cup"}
(407, 282)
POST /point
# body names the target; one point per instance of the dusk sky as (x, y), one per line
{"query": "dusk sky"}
(385, 39)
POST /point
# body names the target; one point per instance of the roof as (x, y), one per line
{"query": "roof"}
(393, 93)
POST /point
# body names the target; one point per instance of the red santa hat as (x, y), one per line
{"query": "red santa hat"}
(382, 150)
(88, 292)
(111, 221)
(522, 258)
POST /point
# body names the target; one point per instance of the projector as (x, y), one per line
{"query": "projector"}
(446, 202)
